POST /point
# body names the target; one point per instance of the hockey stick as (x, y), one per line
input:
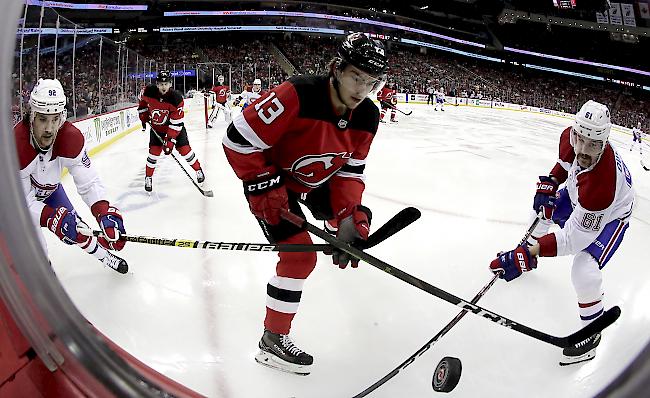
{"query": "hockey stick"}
(203, 192)
(609, 317)
(646, 168)
(444, 330)
(388, 104)
(398, 222)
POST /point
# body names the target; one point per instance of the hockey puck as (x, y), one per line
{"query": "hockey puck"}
(447, 374)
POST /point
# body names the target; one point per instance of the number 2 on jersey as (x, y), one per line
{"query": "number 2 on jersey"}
(269, 109)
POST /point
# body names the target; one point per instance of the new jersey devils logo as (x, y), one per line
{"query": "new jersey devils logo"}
(159, 116)
(314, 170)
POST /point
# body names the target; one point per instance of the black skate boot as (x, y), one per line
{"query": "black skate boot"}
(278, 351)
(148, 184)
(117, 263)
(581, 352)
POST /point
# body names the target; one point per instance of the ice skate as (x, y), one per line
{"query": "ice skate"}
(117, 263)
(278, 351)
(581, 352)
(148, 184)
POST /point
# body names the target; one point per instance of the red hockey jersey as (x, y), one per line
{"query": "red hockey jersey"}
(221, 92)
(294, 128)
(165, 112)
(387, 94)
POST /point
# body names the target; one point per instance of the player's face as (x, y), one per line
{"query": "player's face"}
(45, 128)
(164, 87)
(355, 85)
(257, 88)
(586, 149)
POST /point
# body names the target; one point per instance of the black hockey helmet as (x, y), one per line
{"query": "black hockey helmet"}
(364, 53)
(163, 76)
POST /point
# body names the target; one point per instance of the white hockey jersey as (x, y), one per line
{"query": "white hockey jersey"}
(599, 194)
(40, 173)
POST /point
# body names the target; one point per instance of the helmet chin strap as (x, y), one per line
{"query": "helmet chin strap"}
(335, 83)
(33, 139)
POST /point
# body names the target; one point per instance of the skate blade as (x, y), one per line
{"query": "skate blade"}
(579, 359)
(271, 361)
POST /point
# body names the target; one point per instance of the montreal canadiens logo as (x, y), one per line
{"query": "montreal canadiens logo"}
(314, 170)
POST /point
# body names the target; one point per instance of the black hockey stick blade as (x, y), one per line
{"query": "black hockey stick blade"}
(398, 222)
(599, 324)
(610, 316)
(646, 168)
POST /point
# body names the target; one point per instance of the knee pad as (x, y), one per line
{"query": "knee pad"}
(587, 278)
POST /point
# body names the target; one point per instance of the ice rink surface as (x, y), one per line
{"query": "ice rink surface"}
(196, 315)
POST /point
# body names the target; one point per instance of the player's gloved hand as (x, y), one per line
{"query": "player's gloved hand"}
(267, 195)
(168, 145)
(111, 223)
(545, 197)
(354, 227)
(62, 223)
(511, 264)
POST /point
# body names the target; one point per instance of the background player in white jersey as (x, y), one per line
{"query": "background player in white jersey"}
(248, 97)
(440, 98)
(46, 143)
(592, 209)
(637, 136)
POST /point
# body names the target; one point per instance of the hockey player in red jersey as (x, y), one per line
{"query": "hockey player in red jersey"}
(162, 107)
(46, 144)
(306, 141)
(593, 210)
(221, 93)
(387, 96)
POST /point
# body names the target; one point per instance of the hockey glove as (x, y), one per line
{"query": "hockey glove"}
(168, 145)
(62, 223)
(545, 197)
(353, 226)
(511, 264)
(111, 223)
(267, 195)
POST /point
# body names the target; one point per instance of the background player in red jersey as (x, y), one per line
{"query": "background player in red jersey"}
(162, 107)
(387, 96)
(307, 141)
(221, 93)
(46, 144)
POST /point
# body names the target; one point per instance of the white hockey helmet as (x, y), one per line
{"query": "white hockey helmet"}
(258, 83)
(221, 79)
(593, 121)
(47, 97)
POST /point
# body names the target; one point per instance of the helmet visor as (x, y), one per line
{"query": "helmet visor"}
(359, 81)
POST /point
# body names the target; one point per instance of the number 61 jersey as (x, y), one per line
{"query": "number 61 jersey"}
(599, 194)
(294, 128)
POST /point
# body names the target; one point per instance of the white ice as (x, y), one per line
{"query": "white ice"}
(196, 315)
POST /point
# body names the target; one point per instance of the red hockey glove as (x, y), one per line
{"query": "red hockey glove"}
(267, 195)
(544, 200)
(511, 264)
(111, 223)
(62, 223)
(168, 145)
(354, 226)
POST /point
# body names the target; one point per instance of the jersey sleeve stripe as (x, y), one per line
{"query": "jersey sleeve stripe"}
(345, 174)
(348, 168)
(356, 162)
(143, 110)
(175, 127)
(241, 124)
(239, 148)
